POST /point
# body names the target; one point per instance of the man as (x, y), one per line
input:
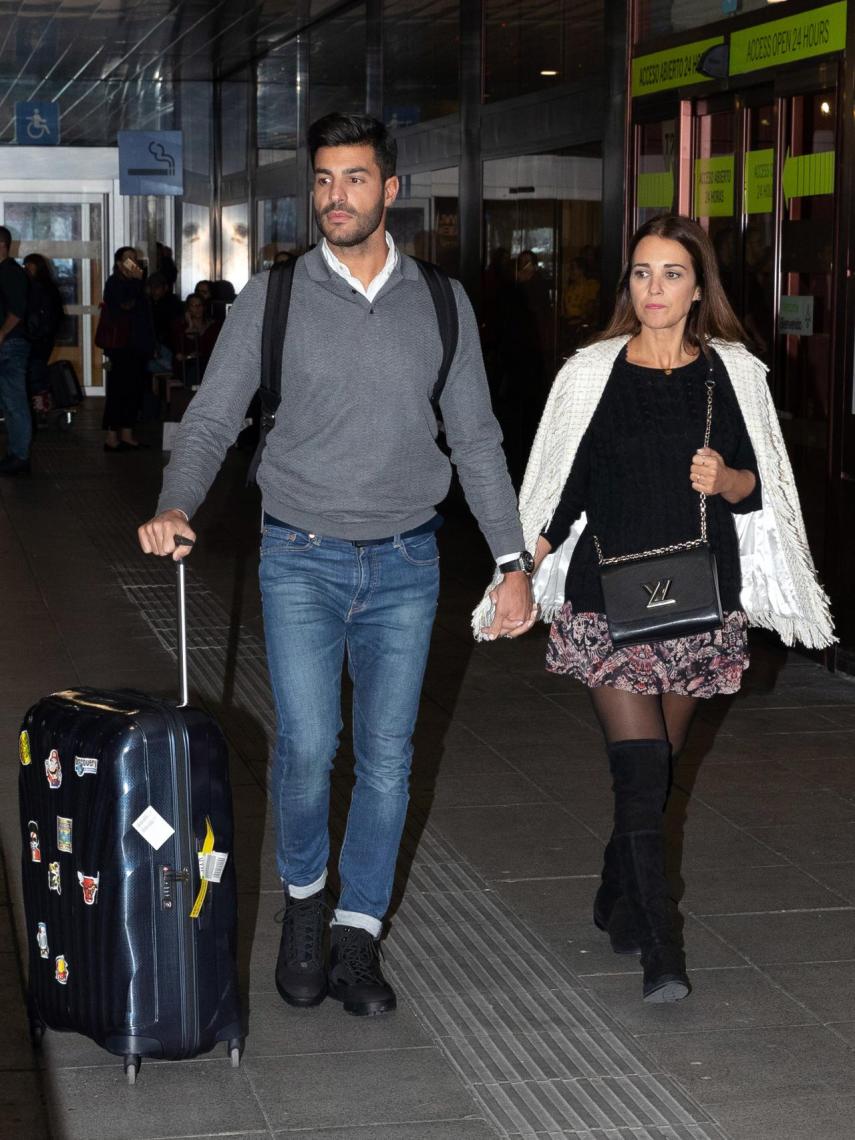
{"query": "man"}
(14, 354)
(350, 476)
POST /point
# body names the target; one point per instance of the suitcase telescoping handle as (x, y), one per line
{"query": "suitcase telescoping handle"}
(183, 694)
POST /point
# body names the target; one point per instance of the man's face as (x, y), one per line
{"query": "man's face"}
(349, 195)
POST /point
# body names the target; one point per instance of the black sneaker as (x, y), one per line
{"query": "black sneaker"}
(12, 465)
(355, 977)
(301, 977)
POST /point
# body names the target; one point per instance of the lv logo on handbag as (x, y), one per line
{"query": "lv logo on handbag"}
(658, 592)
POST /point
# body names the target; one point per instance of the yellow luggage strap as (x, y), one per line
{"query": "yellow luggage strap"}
(207, 848)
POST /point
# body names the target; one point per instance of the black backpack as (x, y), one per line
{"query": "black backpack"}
(276, 308)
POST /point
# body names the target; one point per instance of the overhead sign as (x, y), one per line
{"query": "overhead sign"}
(675, 67)
(151, 162)
(37, 124)
(714, 186)
(801, 35)
(806, 175)
(760, 181)
(655, 190)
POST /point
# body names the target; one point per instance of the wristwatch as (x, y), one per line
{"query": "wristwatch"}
(525, 562)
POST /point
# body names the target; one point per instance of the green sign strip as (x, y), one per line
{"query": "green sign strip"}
(676, 67)
(714, 186)
(806, 175)
(760, 181)
(655, 190)
(801, 35)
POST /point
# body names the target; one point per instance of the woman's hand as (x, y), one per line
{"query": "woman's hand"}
(710, 475)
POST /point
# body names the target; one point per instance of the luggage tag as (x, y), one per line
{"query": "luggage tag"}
(211, 866)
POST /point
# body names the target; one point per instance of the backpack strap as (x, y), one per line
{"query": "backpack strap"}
(276, 305)
(442, 295)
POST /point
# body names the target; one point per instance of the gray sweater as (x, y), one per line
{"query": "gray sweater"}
(353, 453)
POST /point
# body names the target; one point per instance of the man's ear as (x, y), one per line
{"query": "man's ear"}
(390, 189)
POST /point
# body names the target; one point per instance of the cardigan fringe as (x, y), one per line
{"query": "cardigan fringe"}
(569, 409)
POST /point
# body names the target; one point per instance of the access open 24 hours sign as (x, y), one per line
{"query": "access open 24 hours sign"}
(151, 162)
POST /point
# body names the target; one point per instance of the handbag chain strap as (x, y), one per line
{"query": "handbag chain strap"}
(676, 547)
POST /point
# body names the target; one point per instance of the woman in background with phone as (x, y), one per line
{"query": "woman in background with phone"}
(126, 335)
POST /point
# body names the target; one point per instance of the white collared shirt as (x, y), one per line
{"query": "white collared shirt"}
(376, 284)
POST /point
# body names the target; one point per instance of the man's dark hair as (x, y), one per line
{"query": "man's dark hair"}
(5, 237)
(337, 129)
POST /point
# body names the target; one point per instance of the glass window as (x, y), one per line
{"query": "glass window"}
(531, 46)
(233, 123)
(236, 245)
(277, 105)
(656, 176)
(420, 73)
(276, 228)
(541, 283)
(713, 196)
(197, 115)
(337, 64)
(660, 17)
(424, 220)
(195, 246)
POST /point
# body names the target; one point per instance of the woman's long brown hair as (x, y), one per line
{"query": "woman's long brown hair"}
(711, 316)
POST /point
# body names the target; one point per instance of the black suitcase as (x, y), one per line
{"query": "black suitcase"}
(65, 390)
(123, 797)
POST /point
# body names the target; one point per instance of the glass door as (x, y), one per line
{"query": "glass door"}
(70, 231)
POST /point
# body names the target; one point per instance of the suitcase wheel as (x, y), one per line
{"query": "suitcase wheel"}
(235, 1048)
(132, 1067)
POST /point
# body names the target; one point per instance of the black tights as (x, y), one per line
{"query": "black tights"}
(632, 716)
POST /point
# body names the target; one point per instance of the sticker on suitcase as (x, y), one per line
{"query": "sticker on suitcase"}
(89, 883)
(35, 842)
(212, 864)
(61, 971)
(85, 765)
(54, 881)
(41, 940)
(153, 828)
(24, 749)
(53, 769)
(64, 828)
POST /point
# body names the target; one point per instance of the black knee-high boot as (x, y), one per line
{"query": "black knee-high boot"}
(611, 911)
(640, 774)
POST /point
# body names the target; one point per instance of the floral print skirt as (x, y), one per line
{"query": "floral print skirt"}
(698, 666)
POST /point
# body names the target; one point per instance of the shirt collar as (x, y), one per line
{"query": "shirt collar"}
(342, 270)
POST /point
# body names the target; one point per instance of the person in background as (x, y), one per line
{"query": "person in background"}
(166, 309)
(282, 256)
(126, 309)
(193, 336)
(14, 353)
(203, 290)
(44, 317)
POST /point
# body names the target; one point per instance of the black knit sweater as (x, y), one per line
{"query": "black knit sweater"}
(631, 474)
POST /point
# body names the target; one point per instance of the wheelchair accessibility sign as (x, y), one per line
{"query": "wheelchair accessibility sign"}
(150, 162)
(37, 124)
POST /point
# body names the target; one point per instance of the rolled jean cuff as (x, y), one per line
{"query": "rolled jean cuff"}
(307, 891)
(363, 921)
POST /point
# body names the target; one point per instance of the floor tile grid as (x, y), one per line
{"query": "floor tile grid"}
(533, 1105)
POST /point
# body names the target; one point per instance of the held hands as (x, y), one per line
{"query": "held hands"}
(515, 612)
(158, 535)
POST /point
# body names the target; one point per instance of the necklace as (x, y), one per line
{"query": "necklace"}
(667, 371)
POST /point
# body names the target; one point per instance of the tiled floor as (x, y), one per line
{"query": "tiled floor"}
(514, 1018)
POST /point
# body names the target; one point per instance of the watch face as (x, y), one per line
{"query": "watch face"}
(527, 560)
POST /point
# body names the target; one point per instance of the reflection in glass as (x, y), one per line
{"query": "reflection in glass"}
(660, 17)
(277, 104)
(276, 228)
(234, 97)
(758, 293)
(656, 175)
(531, 47)
(541, 282)
(337, 64)
(424, 221)
(195, 246)
(420, 73)
(236, 245)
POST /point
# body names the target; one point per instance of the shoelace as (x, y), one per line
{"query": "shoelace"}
(303, 920)
(361, 954)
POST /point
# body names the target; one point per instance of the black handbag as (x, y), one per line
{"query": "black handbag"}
(670, 592)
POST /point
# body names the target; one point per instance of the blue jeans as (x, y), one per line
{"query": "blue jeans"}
(14, 354)
(322, 597)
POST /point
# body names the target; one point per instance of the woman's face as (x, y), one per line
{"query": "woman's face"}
(31, 268)
(662, 283)
(196, 308)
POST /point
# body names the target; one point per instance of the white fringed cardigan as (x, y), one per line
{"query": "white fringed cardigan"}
(779, 586)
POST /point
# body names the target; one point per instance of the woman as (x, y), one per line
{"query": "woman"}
(126, 332)
(44, 317)
(620, 440)
(193, 339)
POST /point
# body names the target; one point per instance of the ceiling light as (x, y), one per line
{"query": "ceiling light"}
(548, 72)
(825, 107)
